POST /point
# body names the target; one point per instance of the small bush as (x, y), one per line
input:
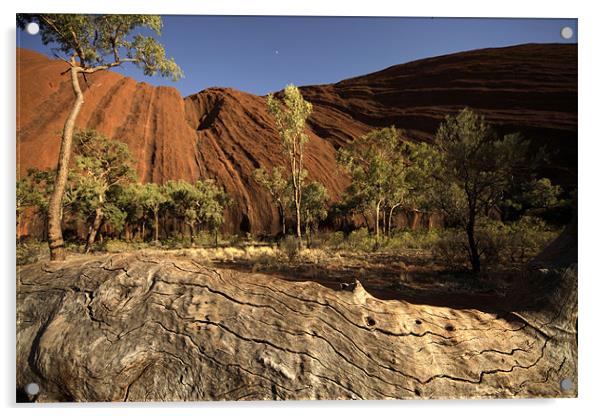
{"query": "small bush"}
(290, 247)
(414, 239)
(527, 237)
(31, 252)
(314, 255)
(360, 240)
(500, 244)
(451, 249)
(176, 242)
(335, 240)
(111, 245)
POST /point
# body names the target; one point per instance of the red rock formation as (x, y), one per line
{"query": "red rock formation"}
(225, 134)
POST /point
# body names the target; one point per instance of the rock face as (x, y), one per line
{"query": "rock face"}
(139, 328)
(225, 134)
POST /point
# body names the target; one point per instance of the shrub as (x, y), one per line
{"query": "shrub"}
(413, 239)
(111, 245)
(289, 246)
(527, 237)
(176, 242)
(451, 248)
(360, 240)
(499, 243)
(31, 252)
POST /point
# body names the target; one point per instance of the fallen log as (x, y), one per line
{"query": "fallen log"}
(136, 327)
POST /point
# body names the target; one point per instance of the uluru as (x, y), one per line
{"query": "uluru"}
(225, 134)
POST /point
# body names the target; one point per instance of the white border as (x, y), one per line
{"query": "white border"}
(590, 153)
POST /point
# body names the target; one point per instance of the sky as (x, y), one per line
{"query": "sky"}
(262, 54)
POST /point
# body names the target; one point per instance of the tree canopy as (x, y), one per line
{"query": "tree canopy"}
(97, 42)
(472, 168)
(290, 117)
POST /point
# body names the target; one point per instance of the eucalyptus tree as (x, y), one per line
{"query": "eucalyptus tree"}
(315, 207)
(101, 164)
(409, 183)
(290, 116)
(129, 200)
(152, 199)
(183, 200)
(214, 200)
(373, 162)
(89, 44)
(201, 203)
(473, 168)
(277, 185)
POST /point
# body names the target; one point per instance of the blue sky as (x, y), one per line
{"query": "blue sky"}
(262, 54)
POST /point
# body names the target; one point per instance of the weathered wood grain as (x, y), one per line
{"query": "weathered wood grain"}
(135, 327)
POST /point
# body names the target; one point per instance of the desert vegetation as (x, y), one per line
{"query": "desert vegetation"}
(483, 185)
(495, 213)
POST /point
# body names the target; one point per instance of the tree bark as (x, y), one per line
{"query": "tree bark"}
(94, 229)
(191, 226)
(391, 217)
(475, 259)
(227, 335)
(281, 212)
(55, 232)
(156, 224)
(298, 214)
(377, 222)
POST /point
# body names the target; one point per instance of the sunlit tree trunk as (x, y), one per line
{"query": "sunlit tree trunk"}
(55, 232)
(391, 218)
(93, 230)
(377, 222)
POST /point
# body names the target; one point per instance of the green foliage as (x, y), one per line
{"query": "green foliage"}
(114, 217)
(274, 181)
(314, 202)
(476, 166)
(369, 161)
(278, 186)
(129, 200)
(387, 173)
(414, 240)
(540, 193)
(500, 244)
(33, 190)
(471, 170)
(101, 166)
(201, 203)
(290, 116)
(336, 239)
(537, 197)
(361, 240)
(104, 41)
